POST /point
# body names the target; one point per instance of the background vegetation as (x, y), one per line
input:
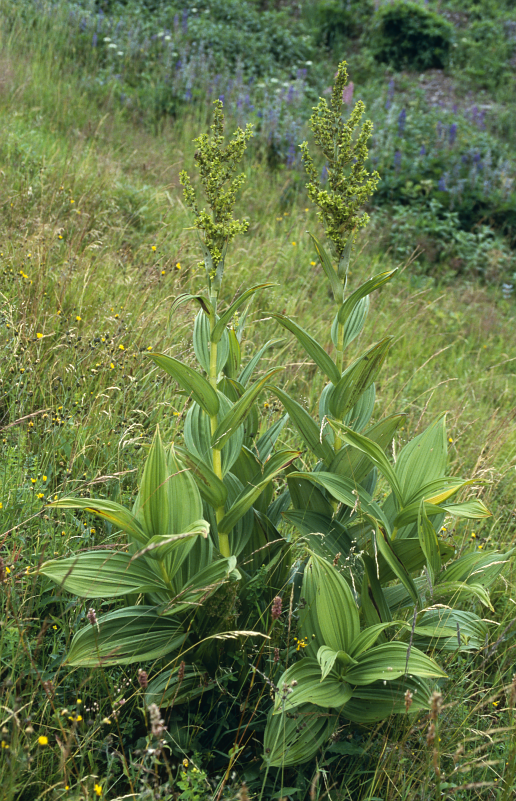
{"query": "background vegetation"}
(99, 103)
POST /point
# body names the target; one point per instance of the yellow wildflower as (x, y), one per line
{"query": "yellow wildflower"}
(42, 740)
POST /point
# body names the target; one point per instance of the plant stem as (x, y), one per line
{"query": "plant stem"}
(216, 454)
(340, 364)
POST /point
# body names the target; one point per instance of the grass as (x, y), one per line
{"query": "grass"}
(94, 247)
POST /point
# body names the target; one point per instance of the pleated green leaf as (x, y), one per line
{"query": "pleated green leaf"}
(335, 606)
(201, 391)
(202, 344)
(163, 546)
(109, 510)
(365, 289)
(306, 426)
(197, 434)
(390, 661)
(102, 574)
(357, 378)
(266, 442)
(227, 315)
(381, 699)
(312, 347)
(252, 491)
(293, 738)
(353, 326)
(385, 548)
(329, 269)
(250, 367)
(423, 459)
(153, 503)
(355, 465)
(329, 659)
(186, 298)
(367, 638)
(125, 636)
(232, 365)
(211, 488)
(308, 687)
(478, 567)
(370, 449)
(235, 417)
(345, 491)
(429, 542)
(171, 688)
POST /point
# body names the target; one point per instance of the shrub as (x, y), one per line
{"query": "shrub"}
(337, 20)
(409, 36)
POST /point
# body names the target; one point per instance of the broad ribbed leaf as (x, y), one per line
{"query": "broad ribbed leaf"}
(370, 449)
(235, 417)
(335, 607)
(474, 509)
(385, 548)
(328, 659)
(163, 547)
(353, 327)
(201, 391)
(308, 687)
(307, 497)
(422, 460)
(185, 298)
(450, 630)
(354, 464)
(202, 344)
(211, 488)
(367, 638)
(357, 378)
(362, 291)
(102, 574)
(204, 583)
(232, 365)
(250, 367)
(266, 442)
(307, 428)
(455, 591)
(346, 492)
(198, 435)
(374, 603)
(429, 542)
(470, 510)
(382, 699)
(125, 636)
(171, 688)
(390, 661)
(478, 567)
(252, 491)
(153, 502)
(329, 269)
(294, 738)
(312, 347)
(228, 314)
(109, 510)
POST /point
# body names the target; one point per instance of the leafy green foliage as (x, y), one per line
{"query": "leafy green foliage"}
(406, 34)
(209, 552)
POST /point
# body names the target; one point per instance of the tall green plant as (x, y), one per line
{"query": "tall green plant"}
(373, 582)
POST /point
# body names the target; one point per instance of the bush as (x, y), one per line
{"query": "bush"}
(406, 35)
(337, 20)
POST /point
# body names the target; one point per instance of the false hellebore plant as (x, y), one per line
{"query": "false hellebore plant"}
(209, 523)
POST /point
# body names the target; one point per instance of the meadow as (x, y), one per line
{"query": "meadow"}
(96, 244)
